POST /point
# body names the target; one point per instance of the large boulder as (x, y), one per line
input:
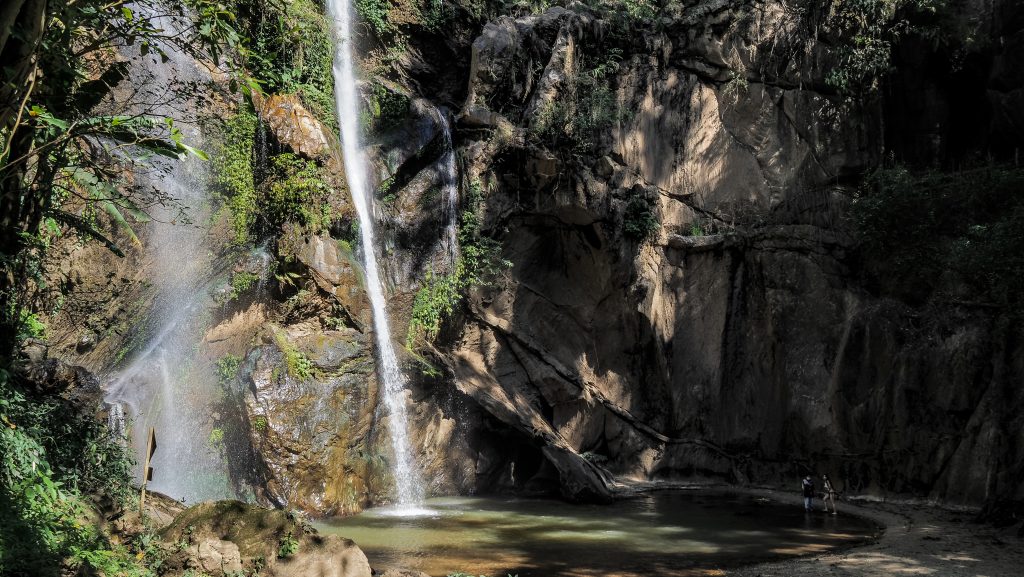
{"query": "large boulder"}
(311, 406)
(293, 126)
(226, 537)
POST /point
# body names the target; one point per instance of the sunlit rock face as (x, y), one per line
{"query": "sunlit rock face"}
(739, 342)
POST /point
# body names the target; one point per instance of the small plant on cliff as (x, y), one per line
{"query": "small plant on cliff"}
(259, 423)
(227, 369)
(287, 546)
(241, 282)
(640, 220)
(298, 364)
(385, 109)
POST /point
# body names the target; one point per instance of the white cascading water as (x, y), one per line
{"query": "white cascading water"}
(449, 191)
(409, 492)
(163, 384)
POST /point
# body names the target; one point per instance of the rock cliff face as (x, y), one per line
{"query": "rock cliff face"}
(740, 341)
(685, 297)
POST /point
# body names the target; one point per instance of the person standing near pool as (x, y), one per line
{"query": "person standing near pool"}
(808, 490)
(830, 494)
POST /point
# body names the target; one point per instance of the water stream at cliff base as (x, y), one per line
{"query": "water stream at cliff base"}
(409, 492)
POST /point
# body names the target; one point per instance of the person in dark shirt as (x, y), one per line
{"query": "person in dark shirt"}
(808, 490)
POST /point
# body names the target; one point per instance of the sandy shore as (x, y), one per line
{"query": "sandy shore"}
(918, 540)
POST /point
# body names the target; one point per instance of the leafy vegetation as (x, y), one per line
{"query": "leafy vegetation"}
(287, 547)
(233, 171)
(299, 366)
(640, 219)
(926, 231)
(292, 188)
(290, 50)
(51, 457)
(61, 154)
(227, 369)
(867, 31)
(241, 282)
(479, 264)
(586, 109)
(385, 109)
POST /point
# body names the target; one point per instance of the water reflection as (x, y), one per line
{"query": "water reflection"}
(666, 533)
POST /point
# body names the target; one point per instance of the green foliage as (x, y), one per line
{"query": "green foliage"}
(287, 547)
(294, 191)
(241, 282)
(30, 326)
(227, 369)
(259, 423)
(386, 109)
(51, 456)
(640, 220)
(216, 439)
(293, 188)
(299, 366)
(375, 14)
(61, 161)
(290, 50)
(696, 229)
(479, 264)
(917, 229)
(233, 171)
(867, 31)
(586, 109)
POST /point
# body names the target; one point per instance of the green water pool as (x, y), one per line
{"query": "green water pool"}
(662, 533)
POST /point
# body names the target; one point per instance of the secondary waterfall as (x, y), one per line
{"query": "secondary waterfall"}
(449, 191)
(409, 490)
(165, 384)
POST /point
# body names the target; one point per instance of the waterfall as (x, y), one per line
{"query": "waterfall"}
(163, 384)
(449, 191)
(409, 490)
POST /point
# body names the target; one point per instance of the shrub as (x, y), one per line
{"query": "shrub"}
(586, 109)
(287, 547)
(51, 457)
(292, 51)
(915, 228)
(241, 282)
(233, 176)
(298, 364)
(639, 220)
(227, 369)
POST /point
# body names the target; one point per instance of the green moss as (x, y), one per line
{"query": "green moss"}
(233, 171)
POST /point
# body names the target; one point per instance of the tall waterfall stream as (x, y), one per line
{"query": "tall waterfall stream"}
(409, 491)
